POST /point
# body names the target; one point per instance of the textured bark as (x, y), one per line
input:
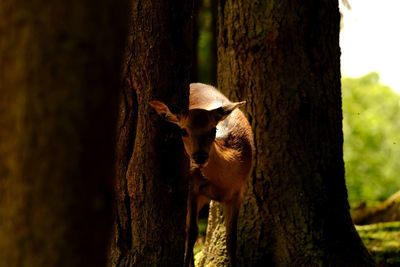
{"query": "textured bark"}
(284, 58)
(151, 167)
(59, 76)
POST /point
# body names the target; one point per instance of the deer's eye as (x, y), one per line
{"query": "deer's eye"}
(184, 133)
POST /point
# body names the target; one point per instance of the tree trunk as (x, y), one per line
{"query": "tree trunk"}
(151, 167)
(283, 57)
(58, 80)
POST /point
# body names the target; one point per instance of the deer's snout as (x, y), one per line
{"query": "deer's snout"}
(200, 158)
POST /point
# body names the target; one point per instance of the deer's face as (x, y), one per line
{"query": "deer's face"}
(198, 128)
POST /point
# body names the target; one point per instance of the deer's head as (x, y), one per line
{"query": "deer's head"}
(198, 128)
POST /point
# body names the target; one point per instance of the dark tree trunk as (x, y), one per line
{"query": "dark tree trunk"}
(283, 57)
(151, 188)
(59, 76)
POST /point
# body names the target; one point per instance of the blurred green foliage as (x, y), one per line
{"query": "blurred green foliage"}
(371, 128)
(205, 54)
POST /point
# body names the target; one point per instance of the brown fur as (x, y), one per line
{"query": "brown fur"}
(222, 176)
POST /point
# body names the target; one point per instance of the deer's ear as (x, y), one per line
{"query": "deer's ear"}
(164, 111)
(222, 112)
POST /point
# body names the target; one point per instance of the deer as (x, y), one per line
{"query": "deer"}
(218, 139)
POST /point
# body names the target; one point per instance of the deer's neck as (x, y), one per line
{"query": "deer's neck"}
(223, 164)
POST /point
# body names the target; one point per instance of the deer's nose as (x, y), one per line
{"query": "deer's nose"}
(200, 157)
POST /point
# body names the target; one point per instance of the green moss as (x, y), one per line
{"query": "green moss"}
(383, 242)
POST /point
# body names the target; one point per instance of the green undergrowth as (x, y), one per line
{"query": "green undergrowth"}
(202, 236)
(381, 239)
(383, 242)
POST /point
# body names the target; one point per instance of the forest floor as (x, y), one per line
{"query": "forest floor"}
(383, 242)
(381, 239)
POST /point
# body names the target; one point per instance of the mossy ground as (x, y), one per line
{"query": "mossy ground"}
(381, 239)
(383, 242)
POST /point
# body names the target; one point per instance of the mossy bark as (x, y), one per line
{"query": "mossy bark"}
(59, 74)
(283, 57)
(151, 167)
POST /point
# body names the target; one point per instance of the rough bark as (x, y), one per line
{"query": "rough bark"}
(151, 168)
(283, 57)
(59, 76)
